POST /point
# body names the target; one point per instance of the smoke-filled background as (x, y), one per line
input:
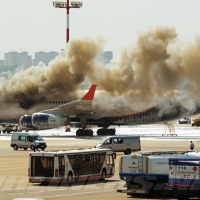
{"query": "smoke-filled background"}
(148, 73)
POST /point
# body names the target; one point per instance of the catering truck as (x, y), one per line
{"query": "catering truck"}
(184, 178)
(146, 172)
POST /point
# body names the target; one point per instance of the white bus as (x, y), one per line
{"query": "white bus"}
(71, 166)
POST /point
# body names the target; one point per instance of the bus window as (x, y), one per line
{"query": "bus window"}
(42, 166)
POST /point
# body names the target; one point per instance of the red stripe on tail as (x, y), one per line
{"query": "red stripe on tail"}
(90, 94)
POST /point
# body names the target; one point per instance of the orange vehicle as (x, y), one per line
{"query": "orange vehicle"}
(196, 122)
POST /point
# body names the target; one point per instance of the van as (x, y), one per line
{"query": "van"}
(24, 140)
(125, 144)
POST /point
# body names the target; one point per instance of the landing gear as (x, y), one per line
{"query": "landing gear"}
(106, 131)
(84, 132)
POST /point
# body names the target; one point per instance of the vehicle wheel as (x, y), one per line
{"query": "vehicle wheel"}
(32, 148)
(103, 175)
(25, 148)
(42, 149)
(79, 132)
(15, 147)
(69, 179)
(127, 152)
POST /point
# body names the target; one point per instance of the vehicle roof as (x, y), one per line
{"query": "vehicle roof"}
(73, 151)
(25, 133)
(124, 136)
(165, 153)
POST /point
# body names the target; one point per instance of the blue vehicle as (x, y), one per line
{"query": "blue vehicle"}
(184, 178)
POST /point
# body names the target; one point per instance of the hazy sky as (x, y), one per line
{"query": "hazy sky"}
(35, 25)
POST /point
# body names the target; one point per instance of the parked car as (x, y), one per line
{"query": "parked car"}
(186, 120)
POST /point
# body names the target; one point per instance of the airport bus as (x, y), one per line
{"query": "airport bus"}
(71, 166)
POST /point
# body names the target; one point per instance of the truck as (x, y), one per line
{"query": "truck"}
(184, 178)
(145, 173)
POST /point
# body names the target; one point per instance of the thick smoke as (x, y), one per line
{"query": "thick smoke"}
(147, 74)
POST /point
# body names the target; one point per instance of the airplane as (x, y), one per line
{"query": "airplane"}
(56, 113)
(79, 112)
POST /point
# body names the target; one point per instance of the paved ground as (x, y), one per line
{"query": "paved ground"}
(14, 168)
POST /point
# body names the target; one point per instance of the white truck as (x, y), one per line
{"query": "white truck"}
(146, 172)
(184, 178)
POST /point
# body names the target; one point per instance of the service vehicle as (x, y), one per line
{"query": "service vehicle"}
(186, 120)
(146, 172)
(125, 144)
(25, 140)
(184, 178)
(8, 128)
(196, 122)
(69, 166)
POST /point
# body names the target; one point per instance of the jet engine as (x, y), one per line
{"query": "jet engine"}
(42, 121)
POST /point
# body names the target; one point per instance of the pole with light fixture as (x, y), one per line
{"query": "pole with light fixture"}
(62, 4)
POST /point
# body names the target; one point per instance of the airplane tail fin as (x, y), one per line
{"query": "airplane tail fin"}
(90, 94)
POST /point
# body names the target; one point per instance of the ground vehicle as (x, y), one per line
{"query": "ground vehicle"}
(24, 140)
(146, 172)
(72, 165)
(196, 122)
(8, 128)
(185, 120)
(125, 144)
(184, 178)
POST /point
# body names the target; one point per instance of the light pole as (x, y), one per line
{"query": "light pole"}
(62, 4)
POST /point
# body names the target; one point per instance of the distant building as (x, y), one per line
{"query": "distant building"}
(19, 59)
(1, 63)
(44, 57)
(25, 60)
(107, 56)
(11, 59)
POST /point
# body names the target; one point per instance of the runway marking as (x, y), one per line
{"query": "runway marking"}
(74, 194)
(36, 191)
(15, 194)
